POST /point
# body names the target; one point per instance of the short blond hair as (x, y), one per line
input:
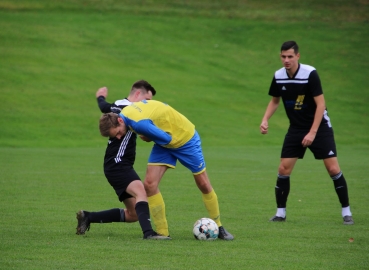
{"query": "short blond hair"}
(108, 121)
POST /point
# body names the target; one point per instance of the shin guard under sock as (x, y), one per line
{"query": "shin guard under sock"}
(341, 189)
(143, 214)
(211, 203)
(157, 211)
(282, 189)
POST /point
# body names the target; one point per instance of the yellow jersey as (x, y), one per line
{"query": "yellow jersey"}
(159, 122)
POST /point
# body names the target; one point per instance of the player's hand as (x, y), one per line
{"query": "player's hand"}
(145, 139)
(103, 91)
(264, 127)
(308, 139)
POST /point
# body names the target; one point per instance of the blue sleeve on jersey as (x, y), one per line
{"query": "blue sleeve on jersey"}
(147, 128)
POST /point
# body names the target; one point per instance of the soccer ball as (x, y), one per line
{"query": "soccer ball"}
(205, 229)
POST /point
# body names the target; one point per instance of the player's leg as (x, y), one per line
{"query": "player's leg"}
(340, 186)
(130, 214)
(155, 198)
(154, 173)
(137, 190)
(211, 203)
(191, 156)
(159, 161)
(119, 182)
(209, 196)
(324, 147)
(282, 187)
(85, 218)
(291, 151)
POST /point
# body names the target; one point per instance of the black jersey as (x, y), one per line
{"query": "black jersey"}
(298, 95)
(119, 154)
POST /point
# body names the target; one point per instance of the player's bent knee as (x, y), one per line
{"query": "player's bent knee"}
(332, 171)
(150, 186)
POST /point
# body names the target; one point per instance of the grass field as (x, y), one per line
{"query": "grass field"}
(213, 61)
(38, 221)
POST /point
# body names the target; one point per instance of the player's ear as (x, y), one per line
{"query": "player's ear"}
(138, 93)
(120, 120)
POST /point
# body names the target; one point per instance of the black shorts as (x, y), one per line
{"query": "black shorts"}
(120, 181)
(322, 147)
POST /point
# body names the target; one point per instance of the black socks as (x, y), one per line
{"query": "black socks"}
(143, 214)
(117, 215)
(282, 189)
(107, 216)
(341, 189)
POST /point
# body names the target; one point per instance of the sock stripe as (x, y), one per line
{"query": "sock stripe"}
(335, 177)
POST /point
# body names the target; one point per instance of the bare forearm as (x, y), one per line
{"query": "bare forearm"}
(317, 118)
(319, 112)
(270, 110)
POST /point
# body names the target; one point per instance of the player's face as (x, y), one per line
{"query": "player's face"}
(290, 60)
(119, 131)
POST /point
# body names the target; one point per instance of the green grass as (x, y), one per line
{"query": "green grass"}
(39, 205)
(213, 61)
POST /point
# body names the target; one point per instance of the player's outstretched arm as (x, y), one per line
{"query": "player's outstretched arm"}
(101, 94)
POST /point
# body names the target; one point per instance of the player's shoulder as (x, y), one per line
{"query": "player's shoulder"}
(304, 71)
(153, 103)
(307, 67)
(118, 105)
(122, 102)
(281, 74)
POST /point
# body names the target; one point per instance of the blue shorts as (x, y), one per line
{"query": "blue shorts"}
(189, 155)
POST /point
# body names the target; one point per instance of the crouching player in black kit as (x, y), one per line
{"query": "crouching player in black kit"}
(118, 168)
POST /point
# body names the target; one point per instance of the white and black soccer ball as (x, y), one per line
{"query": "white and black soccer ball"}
(205, 229)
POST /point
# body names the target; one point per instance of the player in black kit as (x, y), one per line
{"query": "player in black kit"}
(310, 127)
(118, 169)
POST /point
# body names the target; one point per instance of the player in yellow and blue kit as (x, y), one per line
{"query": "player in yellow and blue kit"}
(175, 139)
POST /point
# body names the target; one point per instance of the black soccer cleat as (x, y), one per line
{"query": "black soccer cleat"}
(224, 234)
(347, 220)
(156, 236)
(83, 222)
(278, 219)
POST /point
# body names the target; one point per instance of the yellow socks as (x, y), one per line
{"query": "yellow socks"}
(157, 212)
(211, 204)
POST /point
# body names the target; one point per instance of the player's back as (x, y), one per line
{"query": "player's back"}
(164, 117)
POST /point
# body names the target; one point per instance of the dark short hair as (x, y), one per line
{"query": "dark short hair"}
(142, 84)
(290, 45)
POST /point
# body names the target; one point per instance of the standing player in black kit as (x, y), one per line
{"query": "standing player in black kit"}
(118, 169)
(310, 127)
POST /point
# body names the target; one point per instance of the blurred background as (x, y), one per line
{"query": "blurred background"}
(211, 60)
